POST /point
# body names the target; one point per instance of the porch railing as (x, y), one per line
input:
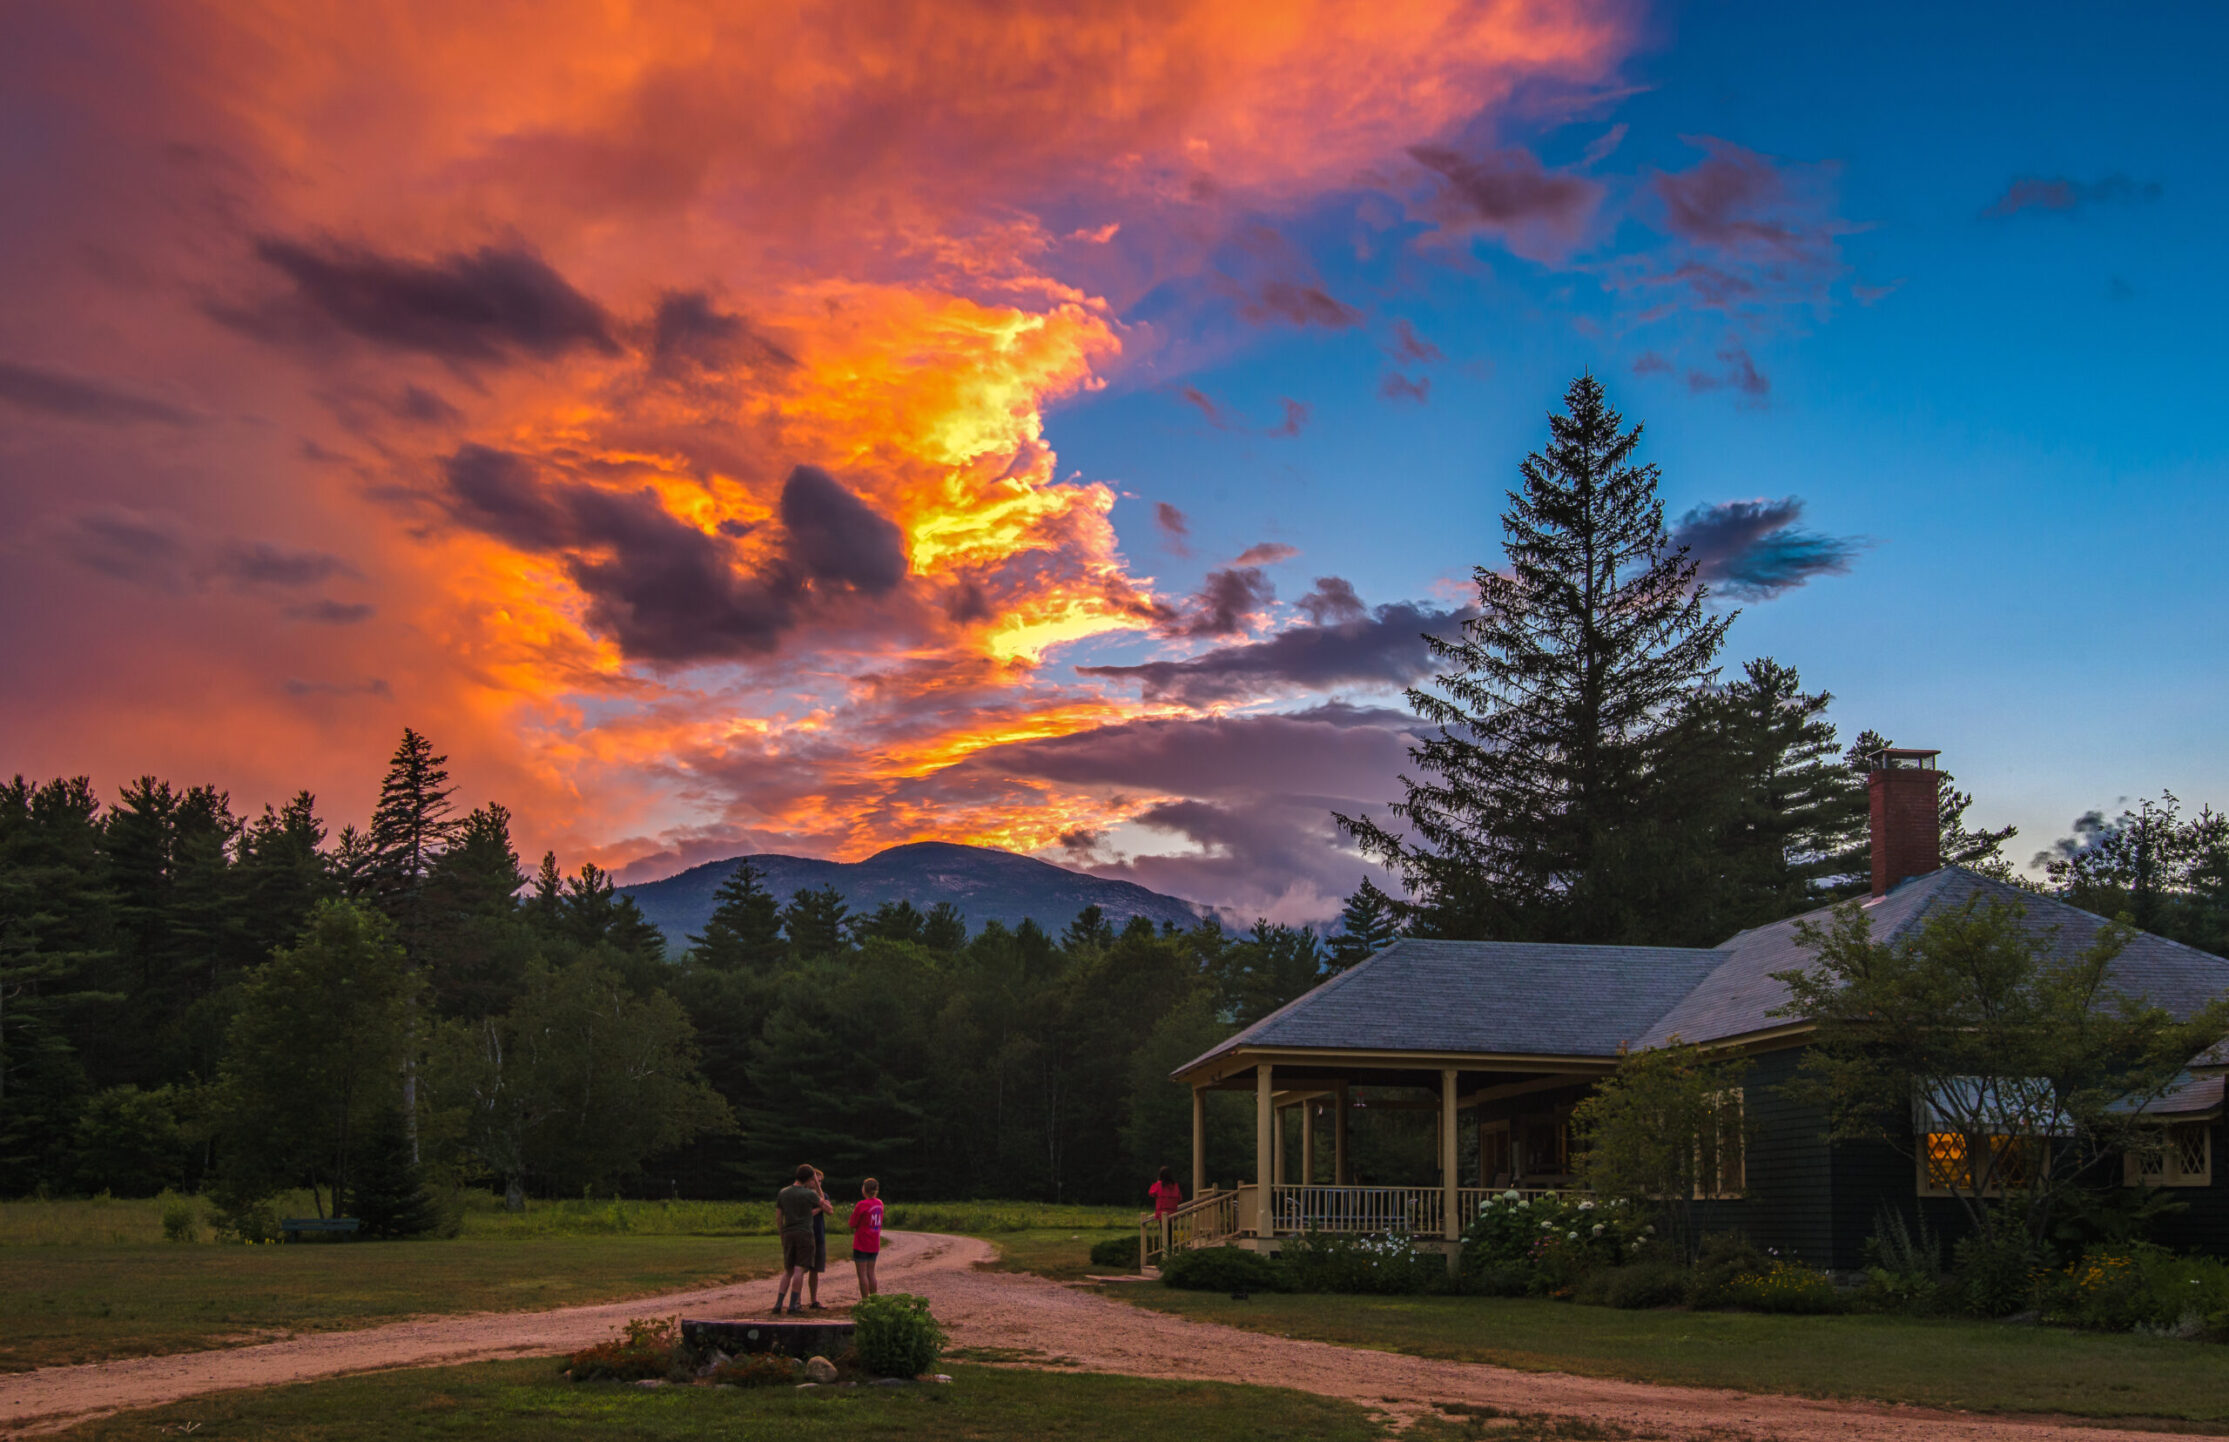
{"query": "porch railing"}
(1419, 1211)
(1201, 1222)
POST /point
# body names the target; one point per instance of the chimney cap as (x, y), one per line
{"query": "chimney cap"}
(1903, 758)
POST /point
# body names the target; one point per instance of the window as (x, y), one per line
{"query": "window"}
(1721, 1152)
(1946, 1163)
(2181, 1154)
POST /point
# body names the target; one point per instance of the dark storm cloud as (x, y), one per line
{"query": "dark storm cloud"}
(690, 332)
(163, 552)
(476, 306)
(51, 393)
(1346, 647)
(330, 613)
(2057, 194)
(1754, 550)
(835, 536)
(1537, 213)
(663, 589)
(1225, 604)
(1176, 531)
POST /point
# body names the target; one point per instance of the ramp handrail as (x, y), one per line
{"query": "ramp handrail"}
(1207, 1218)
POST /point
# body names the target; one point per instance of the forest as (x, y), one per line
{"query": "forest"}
(246, 1004)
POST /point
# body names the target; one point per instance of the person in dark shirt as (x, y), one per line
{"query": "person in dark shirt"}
(820, 1237)
(794, 1210)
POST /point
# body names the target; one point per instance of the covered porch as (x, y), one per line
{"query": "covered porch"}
(1500, 1122)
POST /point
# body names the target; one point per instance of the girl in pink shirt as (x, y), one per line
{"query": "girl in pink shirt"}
(1167, 1195)
(866, 1235)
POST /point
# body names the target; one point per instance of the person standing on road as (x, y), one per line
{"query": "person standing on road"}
(820, 1236)
(794, 1210)
(866, 1235)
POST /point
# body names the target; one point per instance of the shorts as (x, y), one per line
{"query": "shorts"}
(797, 1250)
(865, 1256)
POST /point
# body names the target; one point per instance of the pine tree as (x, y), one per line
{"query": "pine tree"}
(1368, 924)
(814, 923)
(946, 928)
(412, 825)
(546, 907)
(1554, 700)
(1090, 931)
(388, 1195)
(284, 872)
(744, 931)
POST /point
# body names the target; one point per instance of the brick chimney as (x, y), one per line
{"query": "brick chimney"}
(1907, 835)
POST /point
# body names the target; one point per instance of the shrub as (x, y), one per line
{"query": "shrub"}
(643, 1349)
(1721, 1258)
(1387, 1266)
(1121, 1252)
(181, 1222)
(756, 1369)
(894, 1335)
(389, 1194)
(1224, 1269)
(1554, 1241)
(2139, 1287)
(1994, 1277)
(1906, 1267)
(253, 1222)
(1653, 1283)
(1785, 1286)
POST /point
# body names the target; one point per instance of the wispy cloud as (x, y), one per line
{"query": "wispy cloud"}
(2060, 195)
(1756, 550)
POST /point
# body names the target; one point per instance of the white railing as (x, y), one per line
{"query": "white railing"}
(1469, 1199)
(1201, 1222)
(1359, 1210)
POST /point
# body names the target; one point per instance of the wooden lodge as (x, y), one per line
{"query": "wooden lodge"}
(1498, 1040)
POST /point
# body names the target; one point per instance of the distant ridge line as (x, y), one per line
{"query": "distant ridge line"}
(984, 883)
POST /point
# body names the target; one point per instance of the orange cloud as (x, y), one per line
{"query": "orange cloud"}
(661, 256)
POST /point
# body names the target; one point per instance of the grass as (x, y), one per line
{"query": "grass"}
(92, 1302)
(1061, 1253)
(495, 1402)
(1976, 1366)
(86, 1280)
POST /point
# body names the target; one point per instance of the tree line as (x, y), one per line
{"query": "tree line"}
(191, 997)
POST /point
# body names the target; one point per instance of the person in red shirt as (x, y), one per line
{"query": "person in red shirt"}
(866, 1235)
(1167, 1195)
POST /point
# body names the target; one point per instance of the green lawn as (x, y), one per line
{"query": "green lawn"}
(1980, 1366)
(500, 1401)
(1061, 1253)
(89, 1302)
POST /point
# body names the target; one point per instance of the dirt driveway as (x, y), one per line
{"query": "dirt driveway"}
(1009, 1310)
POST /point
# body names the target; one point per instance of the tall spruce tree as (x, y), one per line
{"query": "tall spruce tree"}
(1553, 702)
(412, 825)
(1368, 924)
(744, 931)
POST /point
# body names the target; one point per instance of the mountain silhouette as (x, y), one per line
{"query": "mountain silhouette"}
(984, 883)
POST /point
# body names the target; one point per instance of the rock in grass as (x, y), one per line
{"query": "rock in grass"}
(941, 1377)
(820, 1369)
(651, 1382)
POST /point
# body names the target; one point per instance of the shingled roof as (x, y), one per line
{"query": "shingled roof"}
(1532, 999)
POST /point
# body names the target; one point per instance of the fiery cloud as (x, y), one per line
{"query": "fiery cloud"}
(668, 387)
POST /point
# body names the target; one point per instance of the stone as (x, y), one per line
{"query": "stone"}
(941, 1377)
(893, 1381)
(820, 1369)
(651, 1382)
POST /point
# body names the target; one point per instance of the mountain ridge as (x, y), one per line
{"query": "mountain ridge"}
(983, 882)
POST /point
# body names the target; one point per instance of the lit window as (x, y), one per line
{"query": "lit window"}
(2178, 1154)
(1946, 1163)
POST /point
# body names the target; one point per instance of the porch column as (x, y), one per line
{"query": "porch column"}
(1277, 1145)
(1265, 1123)
(1308, 1144)
(1448, 1179)
(1339, 1140)
(1199, 1141)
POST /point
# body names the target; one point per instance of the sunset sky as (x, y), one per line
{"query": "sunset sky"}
(816, 426)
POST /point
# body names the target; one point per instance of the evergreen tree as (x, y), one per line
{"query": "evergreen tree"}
(478, 946)
(1368, 924)
(411, 826)
(945, 929)
(1554, 701)
(283, 873)
(745, 929)
(389, 1197)
(891, 921)
(546, 906)
(814, 923)
(1088, 932)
